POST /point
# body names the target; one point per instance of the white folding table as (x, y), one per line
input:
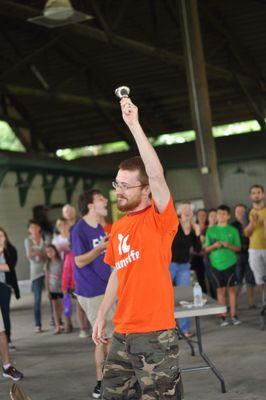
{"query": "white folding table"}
(212, 307)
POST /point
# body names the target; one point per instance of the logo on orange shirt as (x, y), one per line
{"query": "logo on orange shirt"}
(124, 248)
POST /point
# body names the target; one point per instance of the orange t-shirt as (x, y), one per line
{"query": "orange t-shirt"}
(140, 250)
(107, 228)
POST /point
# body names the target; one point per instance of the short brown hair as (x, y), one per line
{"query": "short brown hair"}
(256, 186)
(240, 205)
(86, 198)
(135, 164)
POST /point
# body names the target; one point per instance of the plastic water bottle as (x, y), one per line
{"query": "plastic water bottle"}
(197, 295)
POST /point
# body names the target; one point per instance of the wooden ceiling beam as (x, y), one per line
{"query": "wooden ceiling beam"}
(83, 140)
(25, 61)
(68, 119)
(19, 11)
(121, 13)
(100, 17)
(148, 50)
(241, 54)
(257, 111)
(59, 97)
(246, 62)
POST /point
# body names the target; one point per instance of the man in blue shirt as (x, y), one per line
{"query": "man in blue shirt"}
(88, 242)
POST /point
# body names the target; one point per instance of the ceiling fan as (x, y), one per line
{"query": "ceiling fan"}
(59, 13)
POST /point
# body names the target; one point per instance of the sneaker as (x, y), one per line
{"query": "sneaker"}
(11, 346)
(96, 394)
(223, 322)
(12, 373)
(188, 335)
(83, 334)
(235, 320)
(38, 329)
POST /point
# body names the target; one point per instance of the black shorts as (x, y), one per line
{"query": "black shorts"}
(225, 278)
(55, 296)
(243, 270)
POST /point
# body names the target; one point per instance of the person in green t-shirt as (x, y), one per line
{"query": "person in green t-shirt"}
(221, 243)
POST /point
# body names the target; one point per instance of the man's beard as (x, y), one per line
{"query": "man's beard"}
(257, 201)
(131, 206)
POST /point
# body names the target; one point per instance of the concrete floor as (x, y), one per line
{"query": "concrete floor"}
(61, 367)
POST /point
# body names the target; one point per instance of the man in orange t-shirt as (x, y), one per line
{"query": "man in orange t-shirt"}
(143, 358)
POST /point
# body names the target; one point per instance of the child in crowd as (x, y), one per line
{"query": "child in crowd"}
(53, 283)
(70, 214)
(222, 243)
(61, 241)
(68, 286)
(212, 220)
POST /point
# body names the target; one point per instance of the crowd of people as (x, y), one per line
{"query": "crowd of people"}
(150, 249)
(225, 249)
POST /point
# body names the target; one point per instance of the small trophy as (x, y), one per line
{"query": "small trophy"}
(122, 91)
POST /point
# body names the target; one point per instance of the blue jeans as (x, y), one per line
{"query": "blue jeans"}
(37, 286)
(5, 297)
(180, 275)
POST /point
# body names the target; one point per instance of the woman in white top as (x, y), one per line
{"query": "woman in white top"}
(61, 241)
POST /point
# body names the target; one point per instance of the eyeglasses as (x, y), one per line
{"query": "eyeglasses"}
(124, 186)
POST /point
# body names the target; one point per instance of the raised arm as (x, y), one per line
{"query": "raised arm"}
(159, 189)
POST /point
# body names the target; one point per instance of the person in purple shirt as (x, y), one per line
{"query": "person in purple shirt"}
(91, 274)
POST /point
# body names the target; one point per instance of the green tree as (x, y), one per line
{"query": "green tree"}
(8, 139)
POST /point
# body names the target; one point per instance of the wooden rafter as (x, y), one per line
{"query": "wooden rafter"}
(241, 54)
(60, 97)
(23, 12)
(25, 60)
(244, 61)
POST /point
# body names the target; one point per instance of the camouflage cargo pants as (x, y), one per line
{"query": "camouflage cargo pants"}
(143, 366)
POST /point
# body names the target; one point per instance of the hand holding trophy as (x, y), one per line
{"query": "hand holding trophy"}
(129, 110)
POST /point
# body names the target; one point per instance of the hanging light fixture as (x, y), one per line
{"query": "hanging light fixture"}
(59, 13)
